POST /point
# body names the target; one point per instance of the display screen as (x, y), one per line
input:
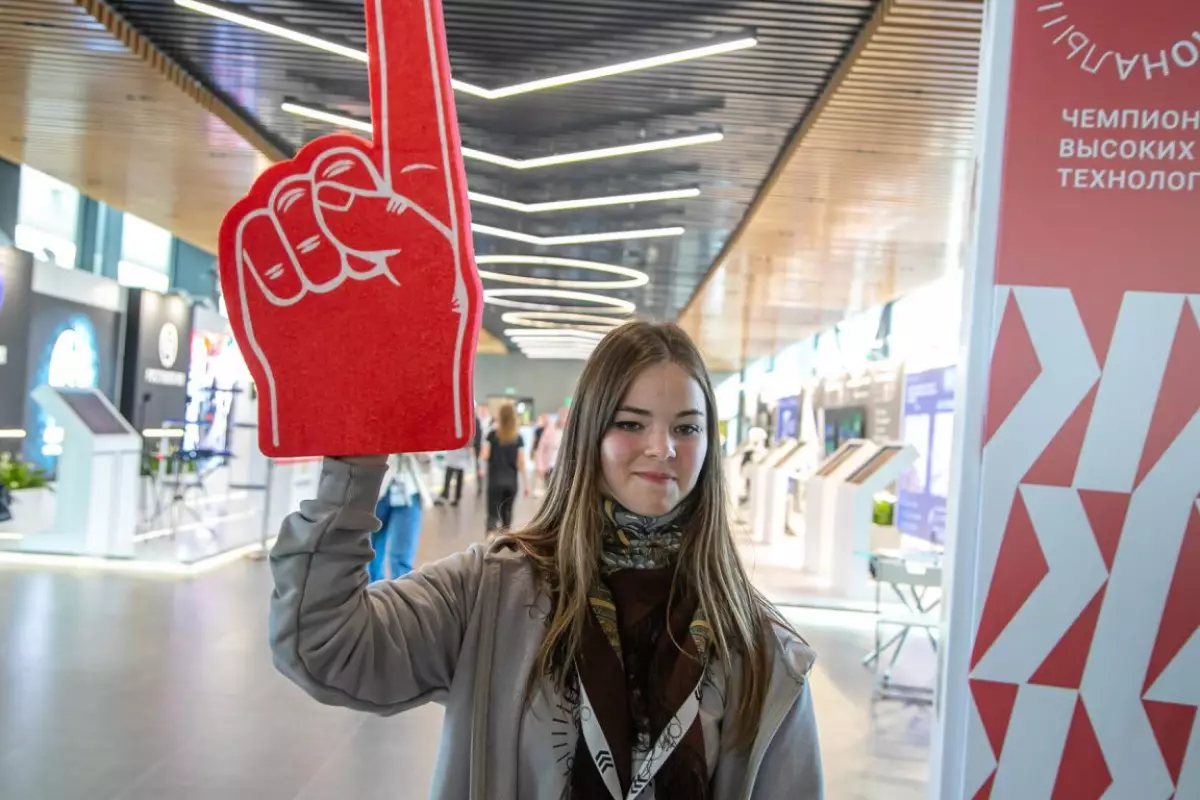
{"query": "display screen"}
(214, 372)
(842, 425)
(93, 412)
(787, 419)
(872, 466)
(71, 346)
(835, 461)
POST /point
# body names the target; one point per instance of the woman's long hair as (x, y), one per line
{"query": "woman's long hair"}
(507, 426)
(564, 539)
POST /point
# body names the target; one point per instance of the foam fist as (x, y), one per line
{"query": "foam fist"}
(348, 271)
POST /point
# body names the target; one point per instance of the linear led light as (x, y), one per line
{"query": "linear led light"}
(651, 146)
(163, 433)
(583, 238)
(541, 333)
(12, 433)
(502, 297)
(715, 48)
(634, 277)
(625, 67)
(562, 320)
(586, 202)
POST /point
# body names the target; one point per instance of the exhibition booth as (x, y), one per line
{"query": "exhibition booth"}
(128, 424)
(848, 472)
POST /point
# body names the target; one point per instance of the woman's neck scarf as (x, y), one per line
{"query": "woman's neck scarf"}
(640, 670)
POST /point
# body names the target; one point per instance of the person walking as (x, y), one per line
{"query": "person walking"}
(504, 467)
(614, 648)
(456, 466)
(545, 452)
(399, 508)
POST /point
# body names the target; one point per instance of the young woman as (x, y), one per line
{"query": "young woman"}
(614, 649)
(398, 507)
(504, 464)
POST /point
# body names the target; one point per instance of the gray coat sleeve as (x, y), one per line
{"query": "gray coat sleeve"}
(791, 767)
(383, 648)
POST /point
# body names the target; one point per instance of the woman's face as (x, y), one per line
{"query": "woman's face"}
(652, 453)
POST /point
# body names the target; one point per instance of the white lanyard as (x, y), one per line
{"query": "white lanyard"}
(668, 740)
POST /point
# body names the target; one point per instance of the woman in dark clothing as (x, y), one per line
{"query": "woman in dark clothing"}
(504, 457)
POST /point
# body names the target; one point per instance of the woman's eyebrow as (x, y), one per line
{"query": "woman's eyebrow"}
(641, 412)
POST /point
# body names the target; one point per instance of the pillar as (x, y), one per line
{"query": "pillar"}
(10, 198)
(1071, 647)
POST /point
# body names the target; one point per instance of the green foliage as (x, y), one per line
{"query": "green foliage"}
(16, 474)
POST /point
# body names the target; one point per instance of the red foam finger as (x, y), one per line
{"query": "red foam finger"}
(412, 103)
(292, 205)
(266, 262)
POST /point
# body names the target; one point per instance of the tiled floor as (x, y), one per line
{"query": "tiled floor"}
(128, 688)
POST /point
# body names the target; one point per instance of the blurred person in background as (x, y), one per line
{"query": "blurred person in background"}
(613, 648)
(545, 452)
(399, 509)
(456, 466)
(503, 458)
(482, 419)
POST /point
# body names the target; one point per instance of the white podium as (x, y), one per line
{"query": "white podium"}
(820, 499)
(854, 511)
(799, 464)
(97, 486)
(762, 482)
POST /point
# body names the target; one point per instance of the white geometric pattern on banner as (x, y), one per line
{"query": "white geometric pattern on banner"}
(1195, 300)
(1029, 763)
(1179, 683)
(1189, 777)
(1000, 300)
(1076, 572)
(1128, 393)
(1069, 371)
(1130, 617)
(981, 761)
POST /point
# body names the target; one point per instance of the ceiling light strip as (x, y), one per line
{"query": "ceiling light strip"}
(655, 145)
(633, 277)
(583, 238)
(503, 297)
(559, 320)
(625, 67)
(229, 13)
(585, 202)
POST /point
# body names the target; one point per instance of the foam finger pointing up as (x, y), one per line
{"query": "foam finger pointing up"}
(412, 102)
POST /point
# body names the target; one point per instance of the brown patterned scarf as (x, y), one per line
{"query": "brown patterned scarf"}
(635, 675)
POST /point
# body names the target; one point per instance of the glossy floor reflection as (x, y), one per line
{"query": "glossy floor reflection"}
(128, 688)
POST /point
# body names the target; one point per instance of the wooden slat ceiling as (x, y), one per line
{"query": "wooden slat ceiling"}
(870, 201)
(756, 96)
(85, 98)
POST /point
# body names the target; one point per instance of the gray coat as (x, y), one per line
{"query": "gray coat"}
(432, 636)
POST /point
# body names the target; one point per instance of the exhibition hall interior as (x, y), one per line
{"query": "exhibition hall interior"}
(938, 257)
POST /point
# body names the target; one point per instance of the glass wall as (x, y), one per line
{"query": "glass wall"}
(47, 218)
(145, 255)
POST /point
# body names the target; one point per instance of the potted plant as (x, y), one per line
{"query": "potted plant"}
(24, 492)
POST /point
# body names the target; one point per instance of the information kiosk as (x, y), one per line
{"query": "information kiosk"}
(97, 485)
(762, 480)
(798, 463)
(740, 464)
(820, 499)
(853, 524)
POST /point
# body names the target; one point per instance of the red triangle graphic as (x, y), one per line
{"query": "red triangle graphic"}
(1181, 615)
(995, 702)
(985, 791)
(1172, 726)
(1099, 304)
(1082, 773)
(1015, 366)
(1106, 512)
(1020, 567)
(1179, 397)
(1064, 666)
(1057, 463)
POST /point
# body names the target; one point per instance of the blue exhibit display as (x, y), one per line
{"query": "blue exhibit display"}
(71, 346)
(787, 419)
(929, 427)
